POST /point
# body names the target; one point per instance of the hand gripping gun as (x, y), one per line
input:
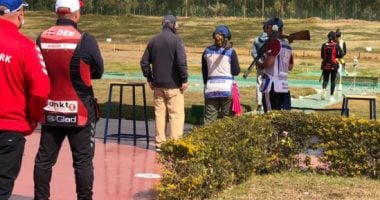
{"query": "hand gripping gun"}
(300, 35)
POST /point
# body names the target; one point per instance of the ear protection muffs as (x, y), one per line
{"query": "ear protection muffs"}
(224, 30)
(276, 24)
(172, 25)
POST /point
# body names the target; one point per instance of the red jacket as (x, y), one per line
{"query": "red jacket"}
(24, 81)
(71, 96)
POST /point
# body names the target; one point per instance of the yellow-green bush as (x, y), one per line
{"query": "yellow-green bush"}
(228, 151)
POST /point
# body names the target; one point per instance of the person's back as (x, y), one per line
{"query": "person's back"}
(165, 65)
(72, 59)
(219, 64)
(329, 65)
(24, 91)
(328, 56)
(16, 53)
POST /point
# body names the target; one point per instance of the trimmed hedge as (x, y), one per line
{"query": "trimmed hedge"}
(228, 151)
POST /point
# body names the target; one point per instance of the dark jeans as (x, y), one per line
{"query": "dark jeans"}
(276, 101)
(82, 145)
(326, 75)
(11, 150)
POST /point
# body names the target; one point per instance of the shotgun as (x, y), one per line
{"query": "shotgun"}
(300, 35)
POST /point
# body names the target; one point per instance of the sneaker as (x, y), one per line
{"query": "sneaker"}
(158, 149)
(339, 87)
(323, 94)
(332, 98)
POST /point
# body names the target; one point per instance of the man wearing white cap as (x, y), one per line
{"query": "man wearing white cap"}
(24, 91)
(72, 60)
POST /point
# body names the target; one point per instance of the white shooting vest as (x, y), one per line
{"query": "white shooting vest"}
(219, 77)
(278, 74)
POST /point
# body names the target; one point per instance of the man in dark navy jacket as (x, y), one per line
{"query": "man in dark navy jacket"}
(164, 65)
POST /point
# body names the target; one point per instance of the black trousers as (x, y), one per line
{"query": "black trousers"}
(326, 75)
(11, 150)
(276, 100)
(82, 145)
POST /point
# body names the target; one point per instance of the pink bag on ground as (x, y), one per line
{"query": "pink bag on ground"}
(236, 108)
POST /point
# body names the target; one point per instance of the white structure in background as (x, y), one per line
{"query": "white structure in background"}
(368, 49)
(109, 40)
(354, 66)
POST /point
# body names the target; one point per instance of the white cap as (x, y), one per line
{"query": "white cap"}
(73, 5)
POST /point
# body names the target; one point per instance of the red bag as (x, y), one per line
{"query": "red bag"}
(236, 108)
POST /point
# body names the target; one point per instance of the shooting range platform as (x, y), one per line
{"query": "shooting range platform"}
(312, 101)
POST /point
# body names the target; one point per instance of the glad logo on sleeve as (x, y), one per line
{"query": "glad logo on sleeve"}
(62, 106)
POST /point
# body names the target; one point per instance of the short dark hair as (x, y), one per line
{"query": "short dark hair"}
(331, 35)
(338, 33)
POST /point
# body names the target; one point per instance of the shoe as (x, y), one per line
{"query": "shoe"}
(259, 107)
(158, 149)
(340, 87)
(332, 98)
(323, 94)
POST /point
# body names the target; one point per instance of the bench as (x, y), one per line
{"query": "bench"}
(369, 81)
(371, 99)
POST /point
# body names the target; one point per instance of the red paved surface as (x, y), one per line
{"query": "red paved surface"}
(115, 168)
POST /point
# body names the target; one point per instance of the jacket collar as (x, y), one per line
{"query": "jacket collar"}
(165, 28)
(8, 25)
(66, 22)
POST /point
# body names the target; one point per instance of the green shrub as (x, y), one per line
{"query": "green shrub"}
(228, 151)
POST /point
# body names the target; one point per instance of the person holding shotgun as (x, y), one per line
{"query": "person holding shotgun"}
(256, 46)
(277, 61)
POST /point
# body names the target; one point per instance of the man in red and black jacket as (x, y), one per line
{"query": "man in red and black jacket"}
(72, 59)
(24, 90)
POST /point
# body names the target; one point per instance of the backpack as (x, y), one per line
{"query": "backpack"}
(329, 62)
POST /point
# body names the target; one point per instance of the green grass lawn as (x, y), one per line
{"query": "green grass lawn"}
(303, 186)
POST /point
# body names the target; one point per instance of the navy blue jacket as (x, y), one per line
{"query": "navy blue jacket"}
(164, 60)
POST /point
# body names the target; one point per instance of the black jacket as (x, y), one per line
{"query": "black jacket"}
(164, 60)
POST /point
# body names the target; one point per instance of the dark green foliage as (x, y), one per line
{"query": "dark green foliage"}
(325, 9)
(227, 152)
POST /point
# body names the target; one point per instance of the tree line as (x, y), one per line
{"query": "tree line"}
(324, 9)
